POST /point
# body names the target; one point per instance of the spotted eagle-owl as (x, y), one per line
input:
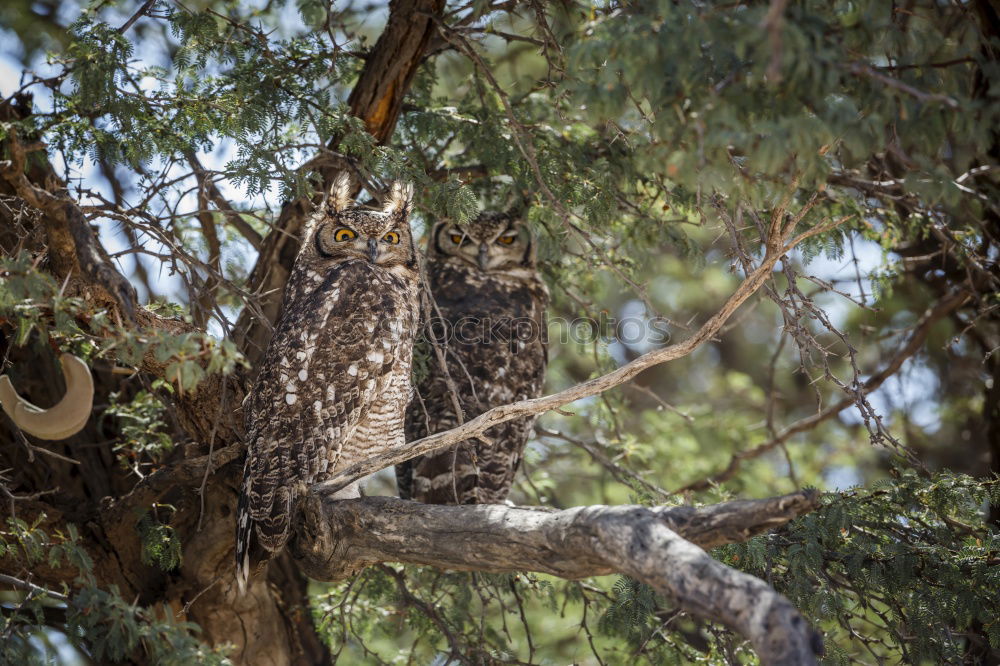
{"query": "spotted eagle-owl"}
(488, 317)
(335, 380)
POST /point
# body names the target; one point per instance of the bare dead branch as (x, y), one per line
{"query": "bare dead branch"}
(659, 546)
(940, 310)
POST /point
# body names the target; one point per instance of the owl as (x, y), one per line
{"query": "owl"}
(487, 316)
(335, 379)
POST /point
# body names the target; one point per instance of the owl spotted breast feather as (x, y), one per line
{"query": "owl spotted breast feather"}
(334, 382)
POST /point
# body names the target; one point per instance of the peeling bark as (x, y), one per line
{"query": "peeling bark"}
(659, 546)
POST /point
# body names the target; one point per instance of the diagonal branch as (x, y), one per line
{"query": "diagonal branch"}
(777, 245)
(232, 216)
(659, 546)
(915, 342)
(31, 587)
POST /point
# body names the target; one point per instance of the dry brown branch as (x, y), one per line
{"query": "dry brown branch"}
(776, 246)
(659, 546)
(940, 310)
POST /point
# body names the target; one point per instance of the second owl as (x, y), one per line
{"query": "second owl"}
(488, 318)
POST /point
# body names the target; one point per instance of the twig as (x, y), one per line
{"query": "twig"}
(31, 587)
(135, 17)
(940, 310)
(865, 70)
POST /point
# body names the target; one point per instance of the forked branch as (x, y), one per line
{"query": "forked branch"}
(659, 546)
(70, 236)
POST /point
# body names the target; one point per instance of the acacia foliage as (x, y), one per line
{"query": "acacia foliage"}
(645, 142)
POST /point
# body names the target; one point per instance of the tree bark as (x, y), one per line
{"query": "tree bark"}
(659, 546)
(272, 624)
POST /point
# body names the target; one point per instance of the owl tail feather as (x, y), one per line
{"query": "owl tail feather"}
(244, 537)
(259, 540)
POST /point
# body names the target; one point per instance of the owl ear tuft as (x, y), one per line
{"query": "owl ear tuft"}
(340, 193)
(400, 199)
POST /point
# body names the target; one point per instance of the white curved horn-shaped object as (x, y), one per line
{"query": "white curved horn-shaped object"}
(65, 418)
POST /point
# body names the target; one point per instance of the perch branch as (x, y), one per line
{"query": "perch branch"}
(659, 546)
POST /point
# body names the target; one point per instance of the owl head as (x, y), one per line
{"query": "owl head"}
(491, 243)
(345, 230)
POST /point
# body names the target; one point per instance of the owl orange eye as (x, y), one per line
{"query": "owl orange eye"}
(456, 239)
(392, 238)
(507, 240)
(344, 234)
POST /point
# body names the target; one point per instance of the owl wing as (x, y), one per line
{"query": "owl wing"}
(510, 366)
(326, 364)
(404, 479)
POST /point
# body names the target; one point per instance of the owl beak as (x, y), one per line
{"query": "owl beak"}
(484, 259)
(372, 249)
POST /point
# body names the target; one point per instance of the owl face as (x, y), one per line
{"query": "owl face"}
(492, 243)
(381, 237)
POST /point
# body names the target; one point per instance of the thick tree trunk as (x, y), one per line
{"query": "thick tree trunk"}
(272, 624)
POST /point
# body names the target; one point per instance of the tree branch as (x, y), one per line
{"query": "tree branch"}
(189, 472)
(71, 240)
(31, 587)
(940, 310)
(377, 99)
(659, 546)
(232, 216)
